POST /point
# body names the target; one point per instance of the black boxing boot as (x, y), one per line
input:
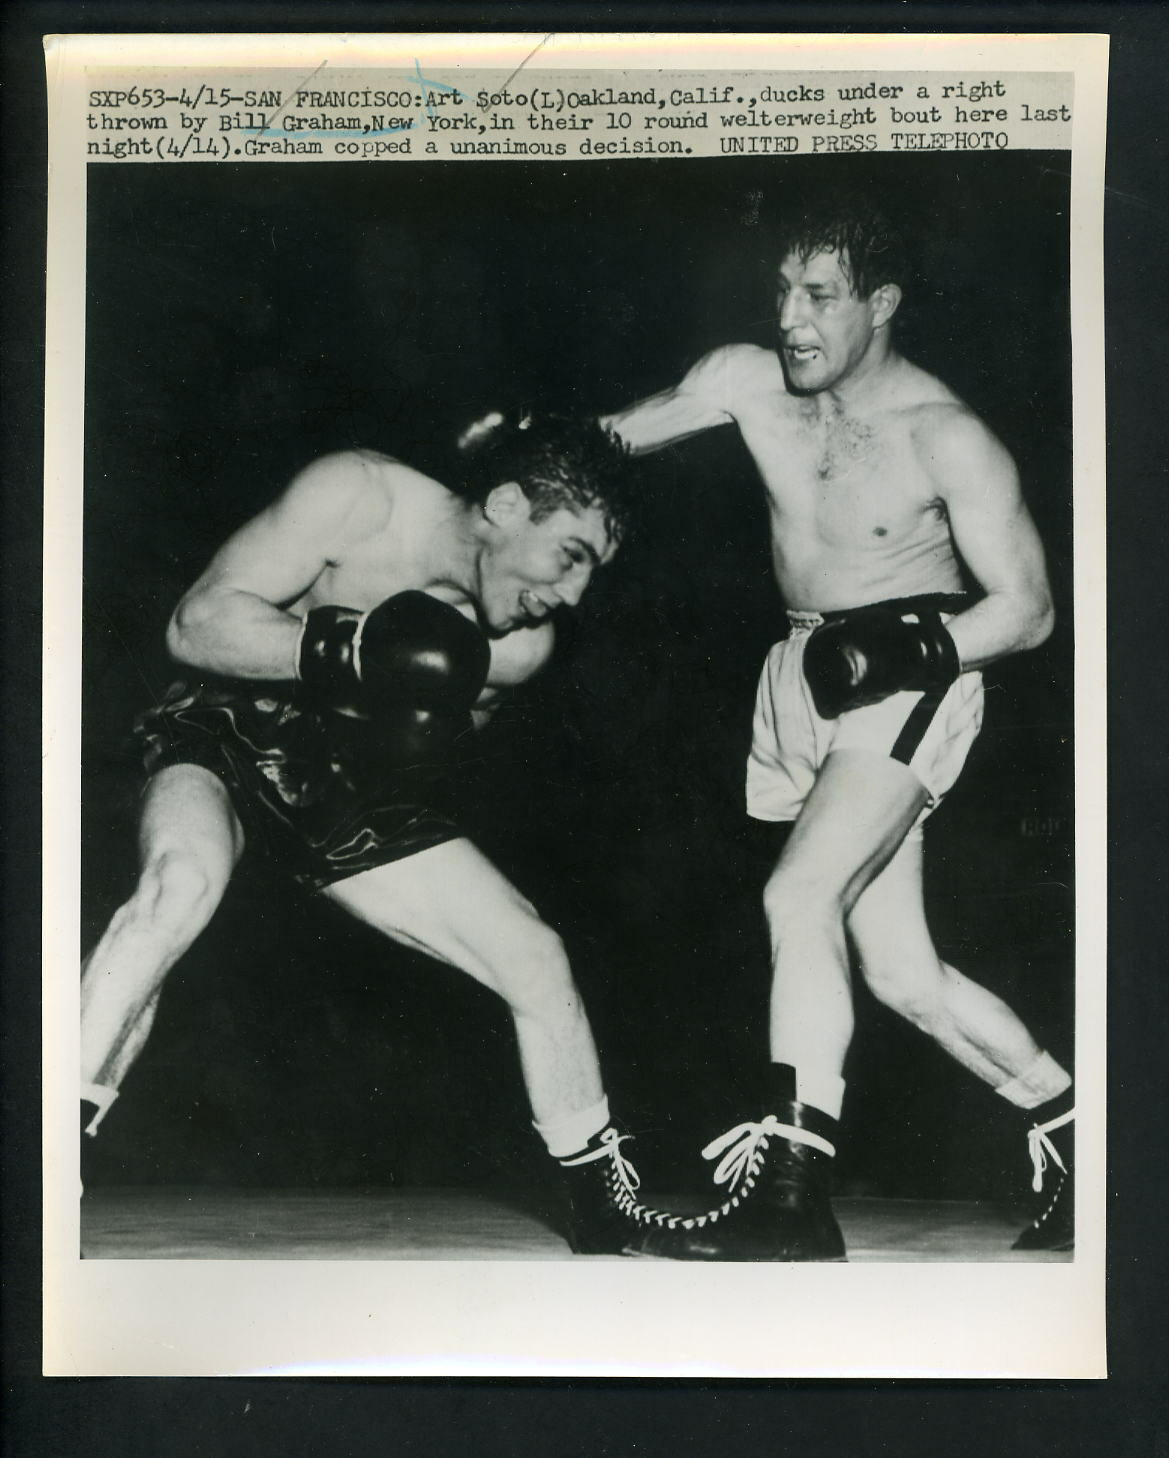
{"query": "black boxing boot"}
(1051, 1144)
(778, 1174)
(604, 1215)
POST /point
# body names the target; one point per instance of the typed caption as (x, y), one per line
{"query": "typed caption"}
(395, 115)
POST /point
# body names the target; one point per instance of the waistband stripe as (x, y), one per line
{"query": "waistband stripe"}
(944, 602)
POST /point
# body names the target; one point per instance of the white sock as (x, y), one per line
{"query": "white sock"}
(570, 1134)
(824, 1091)
(101, 1095)
(1044, 1080)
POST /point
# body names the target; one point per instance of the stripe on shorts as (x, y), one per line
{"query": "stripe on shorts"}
(913, 731)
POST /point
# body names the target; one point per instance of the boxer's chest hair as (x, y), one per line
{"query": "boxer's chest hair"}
(842, 478)
(800, 443)
(834, 444)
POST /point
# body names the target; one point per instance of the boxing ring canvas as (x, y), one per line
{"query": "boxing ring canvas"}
(330, 1135)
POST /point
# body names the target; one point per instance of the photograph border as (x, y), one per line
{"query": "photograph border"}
(1130, 1406)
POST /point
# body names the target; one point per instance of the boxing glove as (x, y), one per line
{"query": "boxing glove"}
(410, 654)
(869, 654)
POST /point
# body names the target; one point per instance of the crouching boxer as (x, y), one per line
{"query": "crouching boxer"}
(885, 493)
(339, 649)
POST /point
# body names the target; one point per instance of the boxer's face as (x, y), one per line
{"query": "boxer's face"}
(825, 330)
(531, 568)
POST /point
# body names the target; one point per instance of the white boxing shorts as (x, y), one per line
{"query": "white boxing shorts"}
(930, 735)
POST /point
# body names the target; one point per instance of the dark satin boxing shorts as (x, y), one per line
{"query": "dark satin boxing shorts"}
(315, 788)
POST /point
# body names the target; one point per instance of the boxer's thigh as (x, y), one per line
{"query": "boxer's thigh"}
(855, 817)
(931, 736)
(452, 903)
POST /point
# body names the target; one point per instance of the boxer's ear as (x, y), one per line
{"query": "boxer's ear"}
(884, 301)
(506, 504)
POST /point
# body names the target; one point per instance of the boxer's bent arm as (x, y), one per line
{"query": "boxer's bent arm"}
(515, 658)
(232, 620)
(700, 401)
(996, 537)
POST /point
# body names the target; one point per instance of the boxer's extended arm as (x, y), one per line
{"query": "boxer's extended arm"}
(701, 400)
(996, 537)
(233, 620)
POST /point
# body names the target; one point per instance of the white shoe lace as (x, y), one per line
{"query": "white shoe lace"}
(1040, 1148)
(608, 1146)
(623, 1179)
(741, 1145)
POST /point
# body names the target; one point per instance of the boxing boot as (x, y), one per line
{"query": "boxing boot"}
(604, 1215)
(777, 1173)
(1051, 1144)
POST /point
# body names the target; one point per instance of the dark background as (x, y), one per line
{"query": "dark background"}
(242, 320)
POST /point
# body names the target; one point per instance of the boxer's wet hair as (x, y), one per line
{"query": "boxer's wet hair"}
(871, 248)
(557, 461)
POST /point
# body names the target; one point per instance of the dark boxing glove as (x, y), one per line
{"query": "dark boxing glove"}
(869, 654)
(412, 654)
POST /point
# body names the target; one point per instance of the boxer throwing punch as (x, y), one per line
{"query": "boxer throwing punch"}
(881, 486)
(338, 650)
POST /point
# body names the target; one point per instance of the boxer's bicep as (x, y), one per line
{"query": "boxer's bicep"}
(281, 552)
(232, 620)
(996, 538)
(702, 399)
(989, 519)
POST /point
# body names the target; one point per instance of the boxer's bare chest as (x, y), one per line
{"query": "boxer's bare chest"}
(373, 565)
(403, 550)
(841, 481)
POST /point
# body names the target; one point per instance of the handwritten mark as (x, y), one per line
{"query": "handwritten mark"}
(539, 46)
(311, 77)
(427, 84)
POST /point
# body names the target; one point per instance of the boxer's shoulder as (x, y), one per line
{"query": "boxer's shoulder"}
(736, 369)
(374, 492)
(952, 444)
(334, 487)
(926, 404)
(358, 471)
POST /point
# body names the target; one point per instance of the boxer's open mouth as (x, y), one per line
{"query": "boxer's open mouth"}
(534, 608)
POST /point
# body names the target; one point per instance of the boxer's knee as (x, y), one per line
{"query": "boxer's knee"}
(911, 991)
(537, 980)
(176, 894)
(796, 902)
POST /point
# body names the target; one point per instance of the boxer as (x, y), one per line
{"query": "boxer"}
(882, 488)
(337, 652)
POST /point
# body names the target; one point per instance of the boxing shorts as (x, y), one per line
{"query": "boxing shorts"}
(315, 788)
(930, 734)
